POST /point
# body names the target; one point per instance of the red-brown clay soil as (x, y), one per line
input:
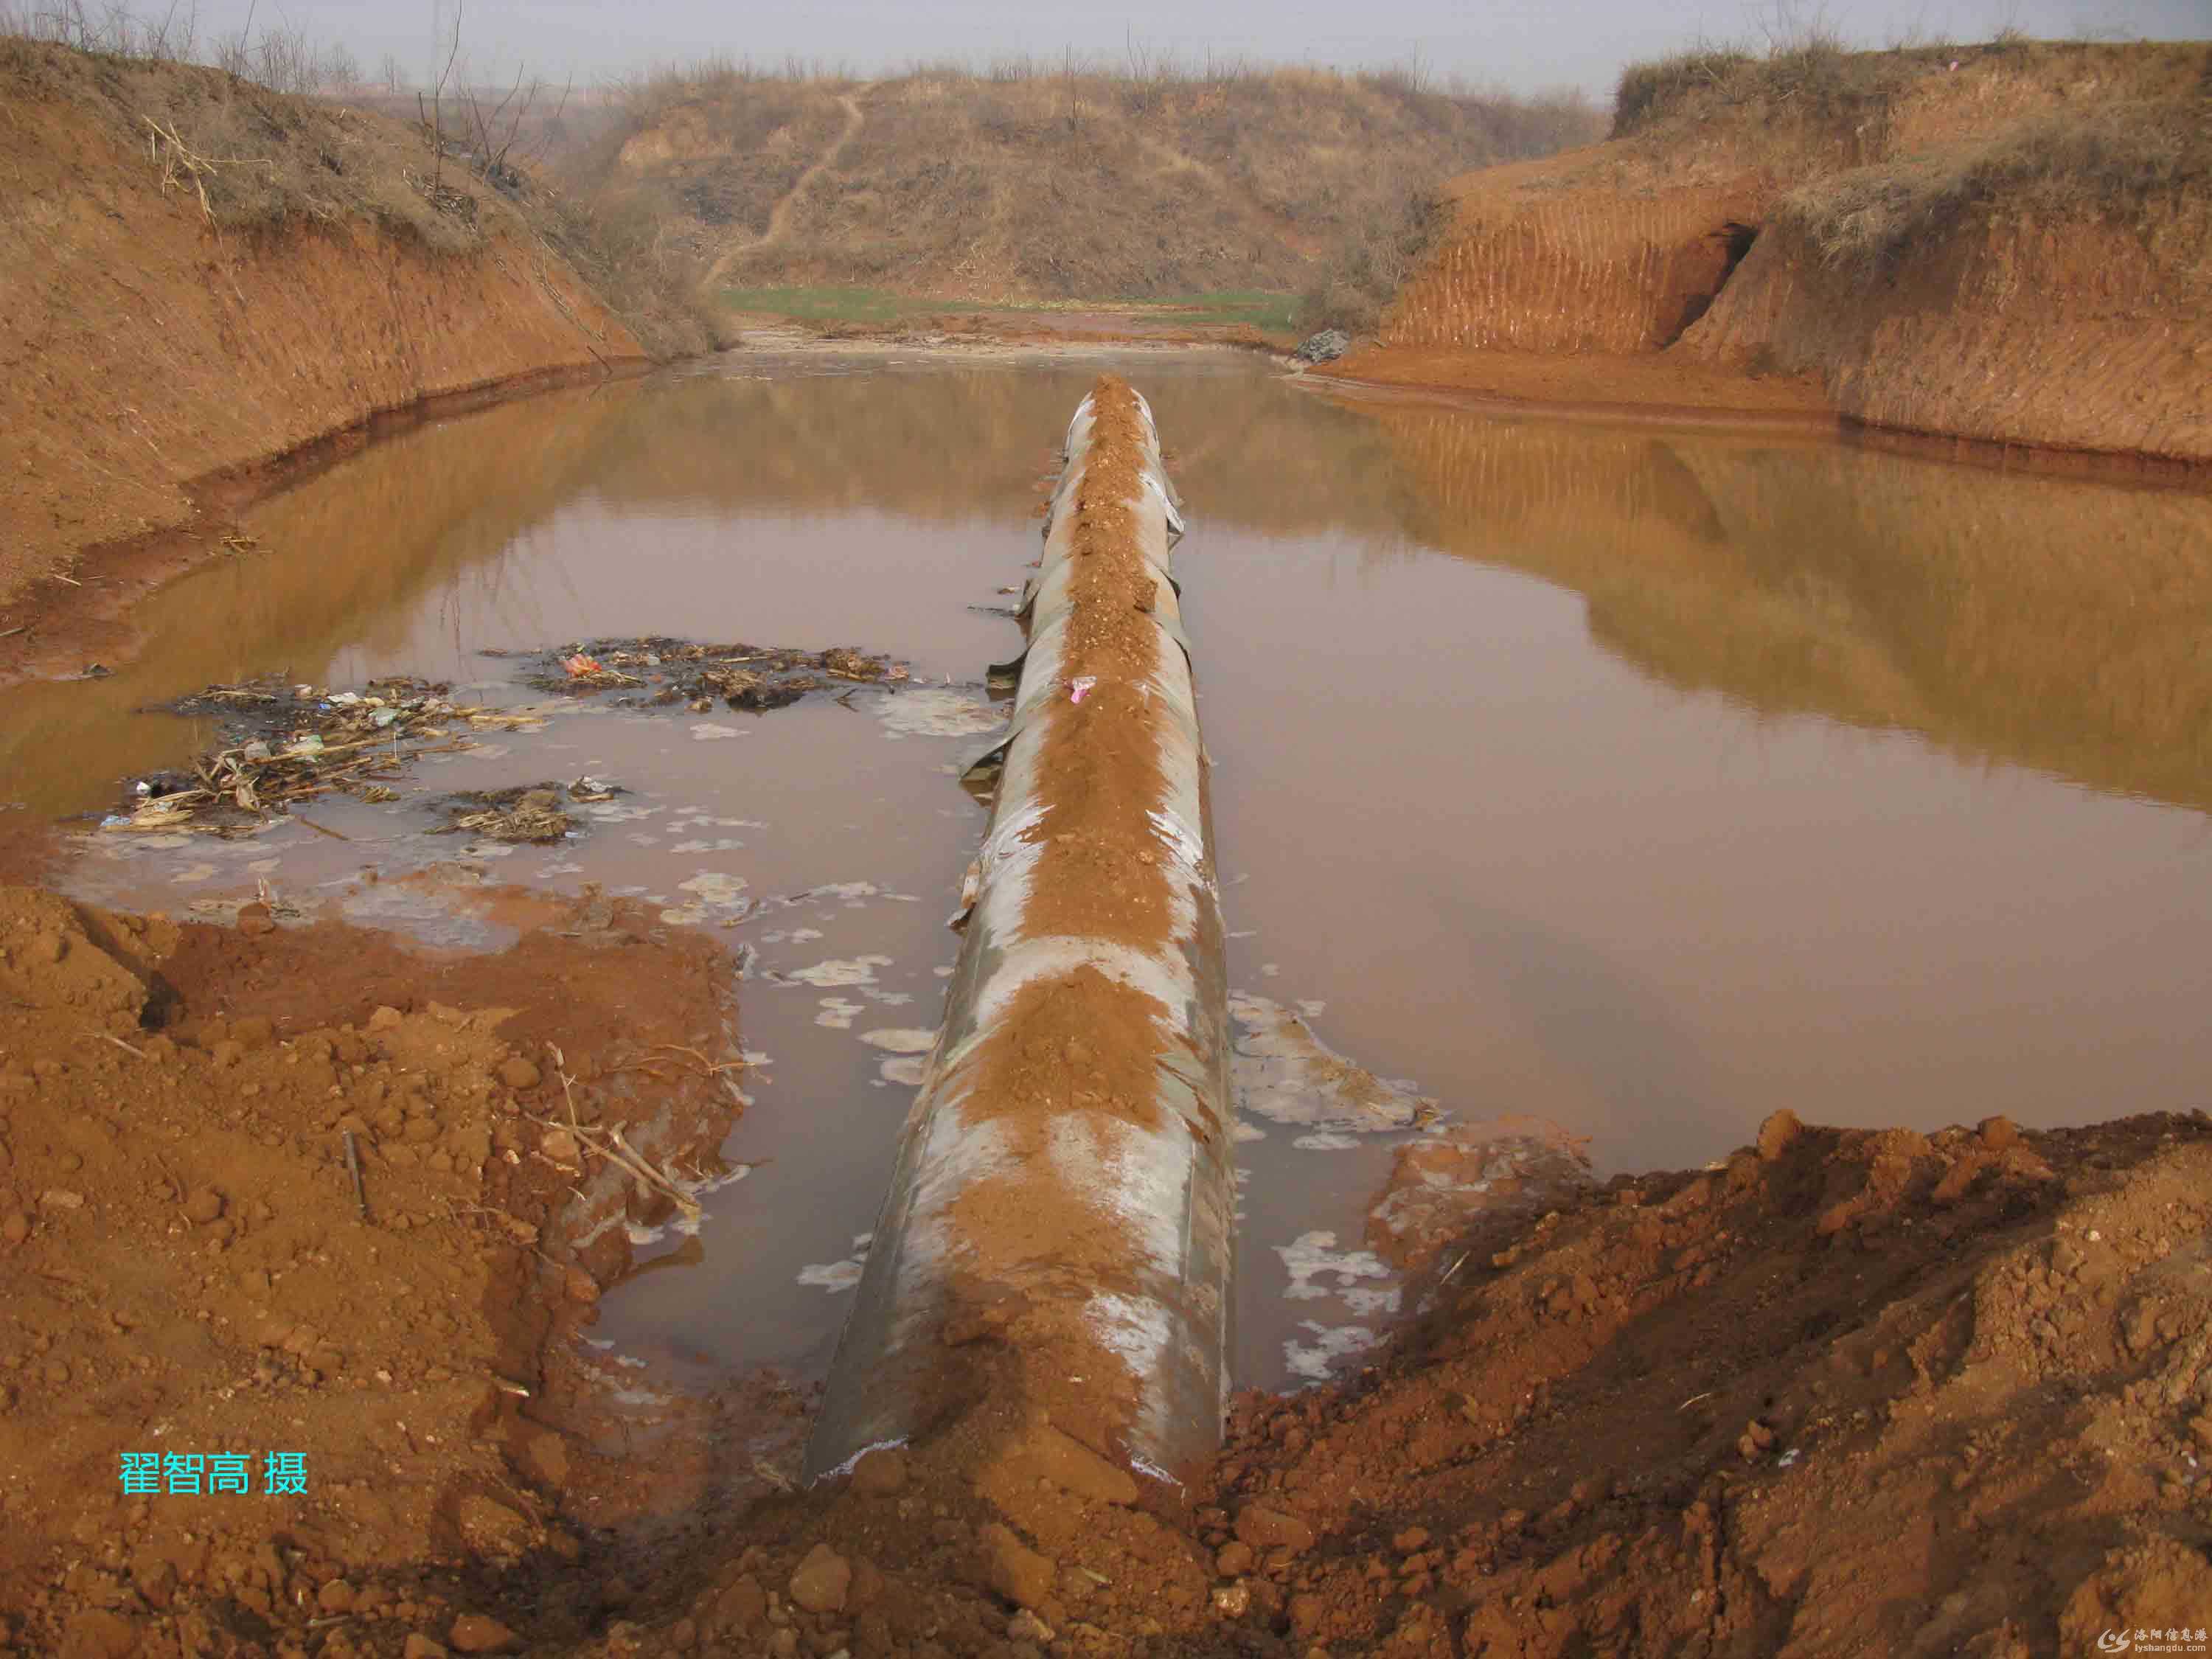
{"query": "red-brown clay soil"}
(1844, 1392)
(1850, 1392)
(187, 1272)
(2060, 334)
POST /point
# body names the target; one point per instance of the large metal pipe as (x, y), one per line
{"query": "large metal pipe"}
(1058, 1233)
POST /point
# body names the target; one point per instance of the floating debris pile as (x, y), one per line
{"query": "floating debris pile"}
(531, 814)
(752, 678)
(284, 745)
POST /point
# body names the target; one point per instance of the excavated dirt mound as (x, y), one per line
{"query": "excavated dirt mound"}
(1849, 1392)
(191, 1287)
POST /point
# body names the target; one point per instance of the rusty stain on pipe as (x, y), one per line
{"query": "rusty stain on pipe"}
(1057, 1238)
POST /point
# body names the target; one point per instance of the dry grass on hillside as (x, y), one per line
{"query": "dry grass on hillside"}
(1890, 151)
(1025, 183)
(256, 162)
(1814, 81)
(255, 159)
(2131, 166)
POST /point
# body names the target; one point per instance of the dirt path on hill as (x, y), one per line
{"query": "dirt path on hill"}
(1178, 161)
(779, 216)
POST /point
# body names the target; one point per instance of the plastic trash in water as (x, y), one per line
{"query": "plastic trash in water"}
(580, 665)
(310, 745)
(1080, 687)
(383, 717)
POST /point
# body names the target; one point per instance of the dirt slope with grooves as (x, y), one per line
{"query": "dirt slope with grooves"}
(1574, 253)
(2072, 315)
(2059, 334)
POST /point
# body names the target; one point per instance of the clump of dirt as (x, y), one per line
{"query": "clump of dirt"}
(1465, 1185)
(753, 678)
(242, 1411)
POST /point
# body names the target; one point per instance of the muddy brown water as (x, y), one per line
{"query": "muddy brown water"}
(1640, 781)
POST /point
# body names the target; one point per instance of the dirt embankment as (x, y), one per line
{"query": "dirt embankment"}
(1842, 1392)
(189, 1277)
(198, 275)
(2005, 244)
(1848, 1391)
(2060, 330)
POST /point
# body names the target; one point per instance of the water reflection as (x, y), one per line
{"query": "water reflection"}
(522, 524)
(434, 518)
(2040, 622)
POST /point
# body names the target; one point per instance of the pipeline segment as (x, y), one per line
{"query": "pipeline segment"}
(1057, 1235)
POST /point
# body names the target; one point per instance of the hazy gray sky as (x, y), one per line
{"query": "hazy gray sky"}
(1524, 45)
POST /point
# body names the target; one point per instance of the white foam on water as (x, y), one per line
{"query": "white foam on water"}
(1313, 1255)
(840, 971)
(1332, 1345)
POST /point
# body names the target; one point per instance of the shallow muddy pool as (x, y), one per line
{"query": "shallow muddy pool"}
(1637, 781)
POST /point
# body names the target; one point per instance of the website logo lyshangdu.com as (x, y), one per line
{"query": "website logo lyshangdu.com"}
(2152, 1639)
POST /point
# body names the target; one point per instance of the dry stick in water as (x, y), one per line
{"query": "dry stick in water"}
(621, 1153)
(712, 1069)
(302, 818)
